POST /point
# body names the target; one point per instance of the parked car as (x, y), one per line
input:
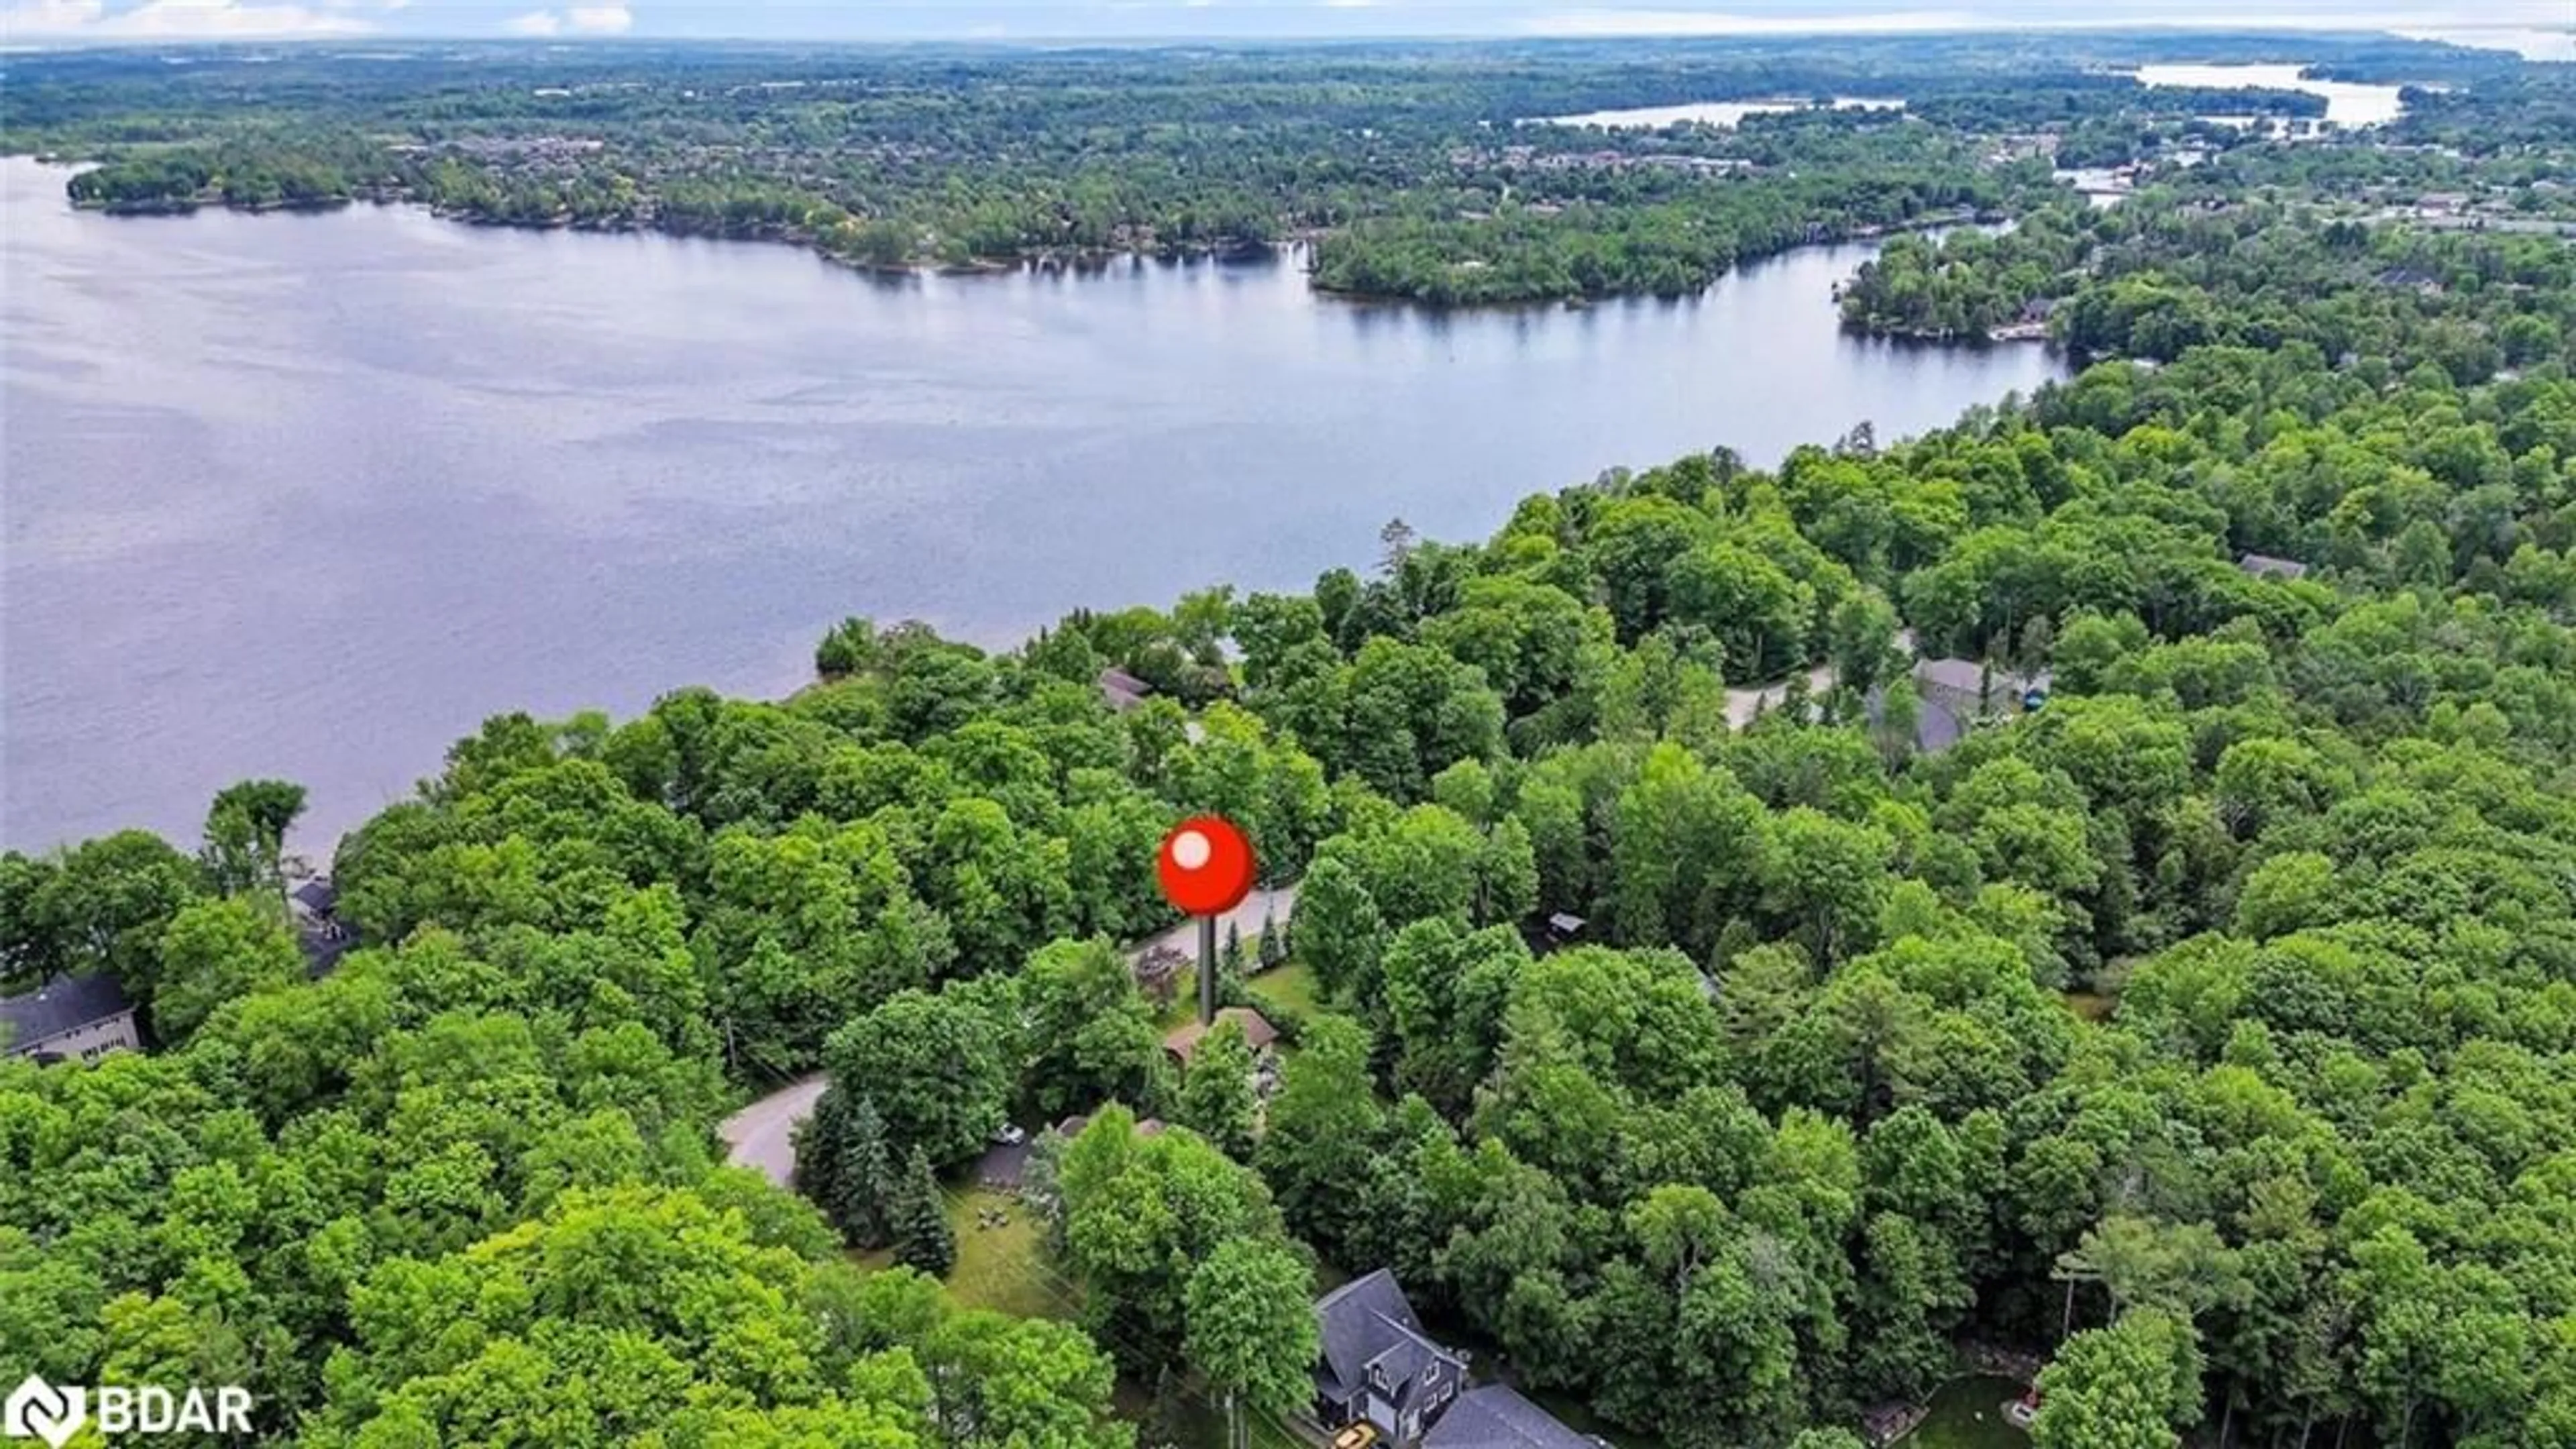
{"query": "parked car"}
(1358, 1436)
(1010, 1136)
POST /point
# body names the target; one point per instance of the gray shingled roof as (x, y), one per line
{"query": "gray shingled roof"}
(1121, 689)
(2264, 565)
(1367, 1320)
(58, 1006)
(1497, 1417)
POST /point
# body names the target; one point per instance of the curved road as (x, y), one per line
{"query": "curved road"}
(762, 1135)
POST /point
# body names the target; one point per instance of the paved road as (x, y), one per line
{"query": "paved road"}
(1743, 705)
(762, 1134)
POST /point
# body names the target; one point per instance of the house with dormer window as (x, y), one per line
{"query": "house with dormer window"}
(1377, 1365)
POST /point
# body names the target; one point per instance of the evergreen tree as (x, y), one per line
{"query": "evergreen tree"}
(1233, 958)
(922, 1238)
(1274, 947)
(817, 1143)
(864, 1179)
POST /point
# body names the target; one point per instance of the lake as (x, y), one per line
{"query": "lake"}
(2348, 103)
(312, 495)
(1712, 113)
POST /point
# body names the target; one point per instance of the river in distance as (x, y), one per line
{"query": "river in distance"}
(312, 495)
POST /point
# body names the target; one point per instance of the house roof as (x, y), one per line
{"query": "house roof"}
(1565, 922)
(1497, 1417)
(1369, 1322)
(1257, 1031)
(1965, 676)
(63, 1004)
(316, 895)
(1123, 690)
(2265, 565)
(1071, 1127)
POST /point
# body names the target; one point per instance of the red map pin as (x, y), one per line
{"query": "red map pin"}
(1205, 866)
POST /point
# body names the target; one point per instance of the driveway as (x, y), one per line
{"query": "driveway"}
(762, 1135)
(1743, 705)
(1246, 918)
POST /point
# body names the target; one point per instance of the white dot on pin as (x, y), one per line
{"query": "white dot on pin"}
(1190, 850)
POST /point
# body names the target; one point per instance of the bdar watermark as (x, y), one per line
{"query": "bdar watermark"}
(39, 1410)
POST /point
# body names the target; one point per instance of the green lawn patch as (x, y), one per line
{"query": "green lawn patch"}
(1005, 1268)
(1969, 1414)
(1292, 986)
(2090, 1005)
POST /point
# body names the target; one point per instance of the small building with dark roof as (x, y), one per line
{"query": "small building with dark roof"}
(69, 1018)
(1183, 1042)
(1376, 1365)
(2264, 566)
(1121, 690)
(1495, 1416)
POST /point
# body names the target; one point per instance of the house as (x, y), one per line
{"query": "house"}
(1565, 928)
(2264, 566)
(1376, 1363)
(1071, 1127)
(1121, 690)
(319, 931)
(1257, 1032)
(70, 1017)
(1495, 1416)
(314, 900)
(1967, 689)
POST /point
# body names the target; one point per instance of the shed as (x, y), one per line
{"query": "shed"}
(1183, 1042)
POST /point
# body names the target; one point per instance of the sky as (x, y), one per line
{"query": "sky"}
(74, 21)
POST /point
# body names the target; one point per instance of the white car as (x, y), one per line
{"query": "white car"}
(1010, 1135)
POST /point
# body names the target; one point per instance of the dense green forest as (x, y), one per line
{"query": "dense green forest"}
(2208, 1033)
(1410, 166)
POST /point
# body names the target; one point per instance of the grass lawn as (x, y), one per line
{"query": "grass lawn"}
(2092, 1006)
(1292, 986)
(1004, 1268)
(1968, 1414)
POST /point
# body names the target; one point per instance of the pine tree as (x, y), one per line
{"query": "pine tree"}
(817, 1144)
(1274, 947)
(922, 1237)
(864, 1179)
(1233, 948)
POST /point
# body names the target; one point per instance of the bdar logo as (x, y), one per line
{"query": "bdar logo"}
(38, 1410)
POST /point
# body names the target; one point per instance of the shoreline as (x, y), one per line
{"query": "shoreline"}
(370, 796)
(1076, 258)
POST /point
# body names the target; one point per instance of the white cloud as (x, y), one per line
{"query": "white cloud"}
(175, 20)
(610, 19)
(48, 17)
